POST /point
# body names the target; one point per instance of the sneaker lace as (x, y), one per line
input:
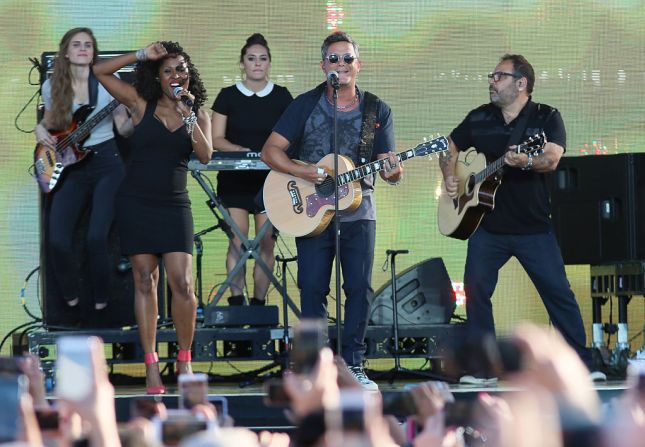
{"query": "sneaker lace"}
(359, 373)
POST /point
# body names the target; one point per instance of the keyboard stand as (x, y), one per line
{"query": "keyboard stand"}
(249, 247)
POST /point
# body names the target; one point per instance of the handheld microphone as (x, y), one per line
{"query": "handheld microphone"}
(332, 77)
(185, 99)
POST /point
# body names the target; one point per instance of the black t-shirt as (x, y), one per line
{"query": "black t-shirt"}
(522, 200)
(249, 121)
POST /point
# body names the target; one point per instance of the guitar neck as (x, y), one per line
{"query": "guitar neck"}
(371, 168)
(495, 166)
(85, 128)
(489, 170)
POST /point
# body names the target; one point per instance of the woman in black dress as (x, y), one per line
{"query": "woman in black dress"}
(153, 208)
(243, 117)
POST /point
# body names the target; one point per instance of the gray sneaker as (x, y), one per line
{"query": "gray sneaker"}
(598, 376)
(472, 380)
(359, 375)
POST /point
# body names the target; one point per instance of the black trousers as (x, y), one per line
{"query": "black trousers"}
(92, 184)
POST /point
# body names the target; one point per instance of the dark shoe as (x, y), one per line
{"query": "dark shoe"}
(73, 302)
(257, 302)
(236, 300)
(100, 305)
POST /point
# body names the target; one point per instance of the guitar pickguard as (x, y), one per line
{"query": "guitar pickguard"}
(315, 201)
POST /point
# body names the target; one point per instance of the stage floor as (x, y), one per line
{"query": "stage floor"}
(247, 408)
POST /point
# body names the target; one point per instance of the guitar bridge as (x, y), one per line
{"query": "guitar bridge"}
(296, 199)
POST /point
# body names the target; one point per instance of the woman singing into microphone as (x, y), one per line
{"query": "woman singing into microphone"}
(153, 208)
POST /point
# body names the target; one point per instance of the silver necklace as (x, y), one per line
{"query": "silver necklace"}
(346, 106)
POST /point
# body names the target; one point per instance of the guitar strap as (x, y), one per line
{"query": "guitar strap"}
(93, 85)
(520, 127)
(366, 142)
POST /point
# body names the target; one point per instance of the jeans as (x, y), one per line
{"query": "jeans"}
(315, 260)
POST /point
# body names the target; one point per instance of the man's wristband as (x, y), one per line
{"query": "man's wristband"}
(529, 164)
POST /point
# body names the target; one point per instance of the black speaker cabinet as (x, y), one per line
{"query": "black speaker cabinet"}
(597, 208)
(48, 58)
(424, 294)
(56, 313)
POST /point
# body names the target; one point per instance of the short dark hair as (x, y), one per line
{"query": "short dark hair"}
(523, 68)
(147, 76)
(338, 36)
(255, 39)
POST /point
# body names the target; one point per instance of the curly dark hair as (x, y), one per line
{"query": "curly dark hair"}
(147, 76)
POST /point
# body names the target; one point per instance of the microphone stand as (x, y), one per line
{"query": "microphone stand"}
(339, 343)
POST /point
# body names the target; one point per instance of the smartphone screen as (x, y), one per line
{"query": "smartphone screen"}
(193, 390)
(399, 404)
(174, 430)
(10, 365)
(144, 408)
(178, 424)
(310, 336)
(12, 387)
(276, 396)
(221, 406)
(48, 418)
(74, 375)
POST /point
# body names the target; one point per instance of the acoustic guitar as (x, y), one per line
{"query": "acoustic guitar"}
(301, 208)
(478, 183)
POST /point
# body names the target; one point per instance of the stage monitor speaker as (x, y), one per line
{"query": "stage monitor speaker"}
(424, 294)
(598, 208)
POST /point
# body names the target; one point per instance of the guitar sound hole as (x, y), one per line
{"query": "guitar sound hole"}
(470, 184)
(326, 188)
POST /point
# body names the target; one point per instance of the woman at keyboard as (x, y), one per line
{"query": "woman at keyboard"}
(243, 116)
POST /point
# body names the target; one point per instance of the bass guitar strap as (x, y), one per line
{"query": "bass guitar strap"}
(93, 85)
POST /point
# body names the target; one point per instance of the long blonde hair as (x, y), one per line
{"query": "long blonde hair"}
(61, 80)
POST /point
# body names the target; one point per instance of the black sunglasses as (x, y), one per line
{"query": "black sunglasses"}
(333, 58)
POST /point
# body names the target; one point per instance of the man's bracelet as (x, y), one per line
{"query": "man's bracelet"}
(529, 165)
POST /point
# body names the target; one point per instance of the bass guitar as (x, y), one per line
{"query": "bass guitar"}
(478, 183)
(301, 208)
(49, 162)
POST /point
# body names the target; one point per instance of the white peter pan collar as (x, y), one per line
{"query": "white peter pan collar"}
(262, 93)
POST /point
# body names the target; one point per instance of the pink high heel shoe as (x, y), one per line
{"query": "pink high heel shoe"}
(150, 359)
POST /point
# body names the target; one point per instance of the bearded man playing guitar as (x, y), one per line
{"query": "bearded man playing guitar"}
(517, 222)
(92, 183)
(306, 127)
